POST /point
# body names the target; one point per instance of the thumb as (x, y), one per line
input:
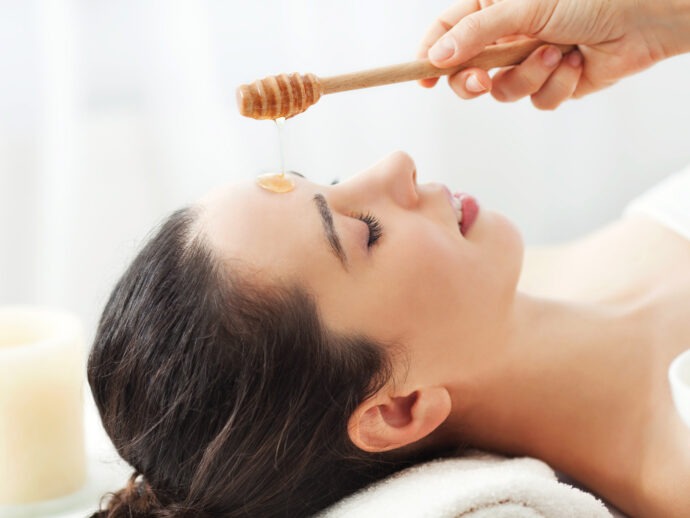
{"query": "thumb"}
(475, 31)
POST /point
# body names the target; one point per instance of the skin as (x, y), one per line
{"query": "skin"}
(559, 353)
(639, 428)
(615, 38)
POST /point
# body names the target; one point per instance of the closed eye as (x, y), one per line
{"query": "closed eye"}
(372, 222)
(374, 225)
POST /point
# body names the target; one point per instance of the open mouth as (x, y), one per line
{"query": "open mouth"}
(466, 210)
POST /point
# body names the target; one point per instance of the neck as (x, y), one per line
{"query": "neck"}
(556, 387)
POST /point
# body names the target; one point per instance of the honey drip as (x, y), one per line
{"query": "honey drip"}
(280, 124)
(275, 182)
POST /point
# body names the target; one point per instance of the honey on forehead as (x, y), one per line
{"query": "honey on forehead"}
(275, 182)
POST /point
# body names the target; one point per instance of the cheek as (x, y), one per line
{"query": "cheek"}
(445, 278)
(425, 277)
(429, 269)
(403, 288)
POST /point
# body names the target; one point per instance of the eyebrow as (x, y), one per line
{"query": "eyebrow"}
(329, 229)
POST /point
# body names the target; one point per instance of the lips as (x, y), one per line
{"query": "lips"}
(465, 207)
(470, 210)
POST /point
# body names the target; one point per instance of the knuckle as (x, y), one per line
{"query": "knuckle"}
(436, 29)
(422, 51)
(544, 104)
(561, 81)
(500, 94)
(530, 83)
(581, 91)
(564, 80)
(471, 25)
(459, 90)
(512, 87)
(440, 23)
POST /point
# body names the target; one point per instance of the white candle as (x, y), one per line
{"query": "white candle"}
(41, 423)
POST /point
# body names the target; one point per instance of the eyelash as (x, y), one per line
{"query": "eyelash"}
(375, 228)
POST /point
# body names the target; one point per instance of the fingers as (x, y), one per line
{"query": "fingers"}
(561, 84)
(544, 76)
(472, 33)
(513, 37)
(429, 82)
(463, 31)
(444, 23)
(596, 73)
(513, 83)
(547, 78)
(470, 83)
(439, 27)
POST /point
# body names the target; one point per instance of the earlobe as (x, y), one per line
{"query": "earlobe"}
(387, 422)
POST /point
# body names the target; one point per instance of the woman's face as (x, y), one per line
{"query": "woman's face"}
(421, 284)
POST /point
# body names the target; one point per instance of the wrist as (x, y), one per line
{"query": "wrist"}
(667, 24)
(681, 28)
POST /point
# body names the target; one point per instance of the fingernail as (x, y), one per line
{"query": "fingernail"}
(574, 59)
(551, 56)
(473, 85)
(442, 49)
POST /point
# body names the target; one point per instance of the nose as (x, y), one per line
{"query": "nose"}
(398, 175)
(391, 179)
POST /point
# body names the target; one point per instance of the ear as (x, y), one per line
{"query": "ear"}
(384, 422)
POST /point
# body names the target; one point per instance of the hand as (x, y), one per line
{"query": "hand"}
(615, 38)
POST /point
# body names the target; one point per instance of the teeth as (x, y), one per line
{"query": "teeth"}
(457, 203)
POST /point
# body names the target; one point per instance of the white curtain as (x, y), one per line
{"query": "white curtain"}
(112, 114)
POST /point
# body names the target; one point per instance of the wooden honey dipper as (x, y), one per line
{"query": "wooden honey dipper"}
(288, 95)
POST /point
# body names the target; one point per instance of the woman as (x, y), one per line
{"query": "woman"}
(266, 354)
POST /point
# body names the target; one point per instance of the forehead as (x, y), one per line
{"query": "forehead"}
(273, 232)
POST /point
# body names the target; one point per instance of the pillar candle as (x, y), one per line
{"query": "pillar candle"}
(42, 453)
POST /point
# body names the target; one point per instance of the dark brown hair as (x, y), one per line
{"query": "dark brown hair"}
(230, 398)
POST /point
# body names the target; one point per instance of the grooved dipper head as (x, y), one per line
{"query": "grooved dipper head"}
(278, 96)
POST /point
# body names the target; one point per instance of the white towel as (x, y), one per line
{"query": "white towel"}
(475, 485)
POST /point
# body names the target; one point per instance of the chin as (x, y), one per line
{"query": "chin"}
(503, 242)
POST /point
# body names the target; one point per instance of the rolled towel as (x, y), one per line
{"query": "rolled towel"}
(476, 485)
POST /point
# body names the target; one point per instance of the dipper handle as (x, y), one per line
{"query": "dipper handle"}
(286, 96)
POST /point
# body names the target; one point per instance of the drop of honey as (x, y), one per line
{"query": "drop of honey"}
(276, 182)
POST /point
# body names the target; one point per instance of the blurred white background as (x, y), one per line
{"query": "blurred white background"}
(112, 114)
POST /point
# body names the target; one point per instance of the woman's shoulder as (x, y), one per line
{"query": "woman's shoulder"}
(539, 265)
(667, 202)
(613, 263)
(563, 270)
